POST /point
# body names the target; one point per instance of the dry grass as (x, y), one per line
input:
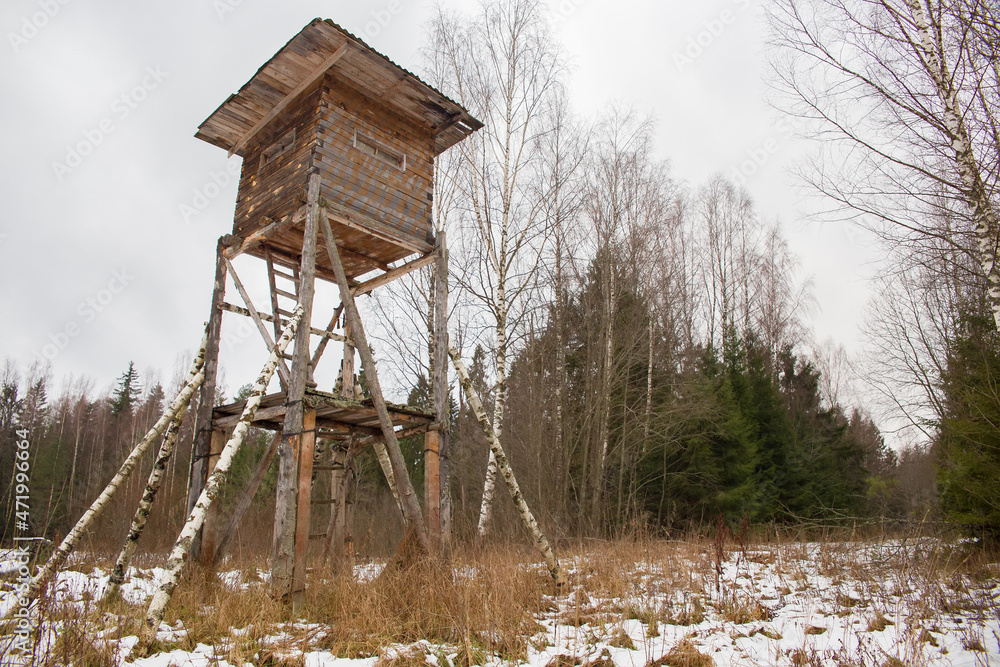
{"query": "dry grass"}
(486, 604)
(684, 654)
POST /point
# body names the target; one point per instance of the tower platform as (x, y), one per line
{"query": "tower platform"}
(335, 415)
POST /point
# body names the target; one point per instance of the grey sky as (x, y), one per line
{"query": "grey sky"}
(101, 260)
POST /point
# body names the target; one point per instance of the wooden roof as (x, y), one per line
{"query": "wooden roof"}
(321, 47)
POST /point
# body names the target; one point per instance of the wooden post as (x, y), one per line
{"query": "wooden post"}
(291, 451)
(338, 526)
(432, 488)
(306, 441)
(441, 391)
(202, 444)
(407, 495)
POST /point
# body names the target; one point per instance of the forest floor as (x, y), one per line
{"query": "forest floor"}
(688, 603)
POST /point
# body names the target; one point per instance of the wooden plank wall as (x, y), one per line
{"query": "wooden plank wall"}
(363, 183)
(271, 191)
(353, 182)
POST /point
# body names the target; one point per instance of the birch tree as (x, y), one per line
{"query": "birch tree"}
(904, 95)
(502, 65)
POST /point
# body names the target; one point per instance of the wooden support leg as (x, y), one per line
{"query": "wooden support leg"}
(201, 448)
(432, 490)
(292, 456)
(440, 387)
(306, 445)
(338, 526)
(408, 496)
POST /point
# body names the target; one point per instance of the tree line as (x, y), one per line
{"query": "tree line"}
(641, 343)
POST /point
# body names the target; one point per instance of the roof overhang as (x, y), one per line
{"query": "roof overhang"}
(322, 47)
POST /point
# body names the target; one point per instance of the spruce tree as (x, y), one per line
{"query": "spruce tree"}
(968, 440)
(126, 393)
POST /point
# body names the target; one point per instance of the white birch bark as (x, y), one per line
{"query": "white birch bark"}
(500, 399)
(503, 467)
(983, 215)
(182, 548)
(195, 377)
(384, 462)
(142, 513)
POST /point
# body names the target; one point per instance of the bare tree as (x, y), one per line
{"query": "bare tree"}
(503, 66)
(903, 94)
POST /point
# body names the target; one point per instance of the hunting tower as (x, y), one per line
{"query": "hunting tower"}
(338, 146)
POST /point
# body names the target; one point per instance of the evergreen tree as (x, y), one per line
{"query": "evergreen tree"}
(126, 393)
(968, 441)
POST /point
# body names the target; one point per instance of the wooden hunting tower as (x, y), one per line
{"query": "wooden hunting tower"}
(338, 146)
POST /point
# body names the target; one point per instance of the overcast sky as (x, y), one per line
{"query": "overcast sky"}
(98, 263)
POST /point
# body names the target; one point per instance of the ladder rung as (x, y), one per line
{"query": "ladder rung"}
(282, 274)
(287, 295)
(317, 536)
(329, 501)
(284, 312)
(333, 467)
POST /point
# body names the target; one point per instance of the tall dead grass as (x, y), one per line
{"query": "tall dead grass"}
(487, 600)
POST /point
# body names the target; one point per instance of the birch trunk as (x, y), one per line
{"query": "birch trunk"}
(562, 480)
(182, 548)
(503, 467)
(195, 377)
(499, 403)
(384, 462)
(649, 391)
(976, 196)
(142, 513)
(248, 495)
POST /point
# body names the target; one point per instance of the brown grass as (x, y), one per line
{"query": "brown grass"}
(683, 654)
(486, 603)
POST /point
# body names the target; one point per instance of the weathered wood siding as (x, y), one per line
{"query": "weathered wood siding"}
(273, 190)
(400, 199)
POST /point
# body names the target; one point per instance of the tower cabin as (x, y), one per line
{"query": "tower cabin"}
(328, 103)
(338, 146)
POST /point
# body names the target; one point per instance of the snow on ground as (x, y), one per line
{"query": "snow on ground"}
(832, 604)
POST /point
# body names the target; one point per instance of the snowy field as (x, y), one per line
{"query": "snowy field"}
(673, 604)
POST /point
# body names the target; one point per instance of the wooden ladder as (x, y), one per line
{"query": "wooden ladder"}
(333, 460)
(289, 291)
